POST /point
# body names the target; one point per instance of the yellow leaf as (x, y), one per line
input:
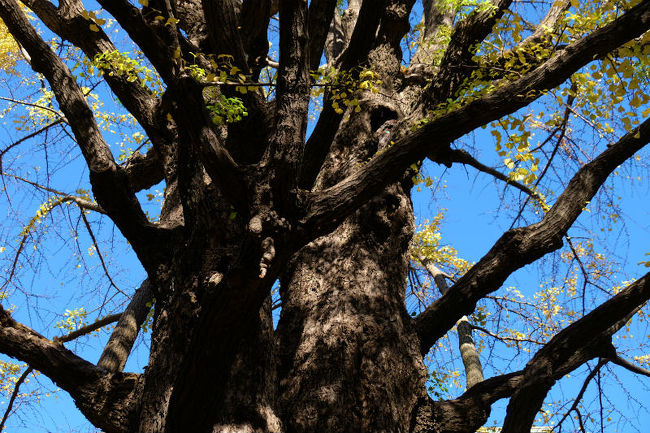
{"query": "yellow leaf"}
(177, 53)
(93, 28)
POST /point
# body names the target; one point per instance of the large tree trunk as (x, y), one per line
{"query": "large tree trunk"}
(348, 355)
(349, 359)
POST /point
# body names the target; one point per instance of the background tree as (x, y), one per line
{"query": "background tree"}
(250, 198)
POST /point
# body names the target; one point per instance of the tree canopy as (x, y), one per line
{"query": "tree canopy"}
(234, 178)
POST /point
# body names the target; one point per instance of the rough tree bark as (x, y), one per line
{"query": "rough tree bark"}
(330, 217)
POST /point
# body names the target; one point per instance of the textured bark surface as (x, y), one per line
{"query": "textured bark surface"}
(351, 365)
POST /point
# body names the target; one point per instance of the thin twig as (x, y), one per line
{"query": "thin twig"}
(14, 394)
(503, 339)
(562, 129)
(27, 137)
(576, 401)
(99, 254)
(463, 157)
(65, 197)
(585, 275)
(42, 107)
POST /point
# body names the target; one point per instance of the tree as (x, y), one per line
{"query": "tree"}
(249, 200)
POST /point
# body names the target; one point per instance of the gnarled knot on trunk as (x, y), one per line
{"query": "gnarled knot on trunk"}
(268, 253)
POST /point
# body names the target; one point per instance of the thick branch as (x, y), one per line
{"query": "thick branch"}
(255, 17)
(363, 36)
(466, 347)
(548, 25)
(119, 345)
(438, 16)
(222, 20)
(105, 399)
(361, 41)
(144, 171)
(395, 24)
(458, 57)
(321, 13)
(293, 89)
(202, 142)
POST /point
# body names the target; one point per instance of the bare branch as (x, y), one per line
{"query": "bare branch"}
(40, 107)
(64, 197)
(119, 345)
(585, 339)
(591, 334)
(85, 330)
(99, 252)
(14, 394)
(576, 401)
(463, 157)
(504, 339)
(27, 137)
(468, 352)
(629, 366)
